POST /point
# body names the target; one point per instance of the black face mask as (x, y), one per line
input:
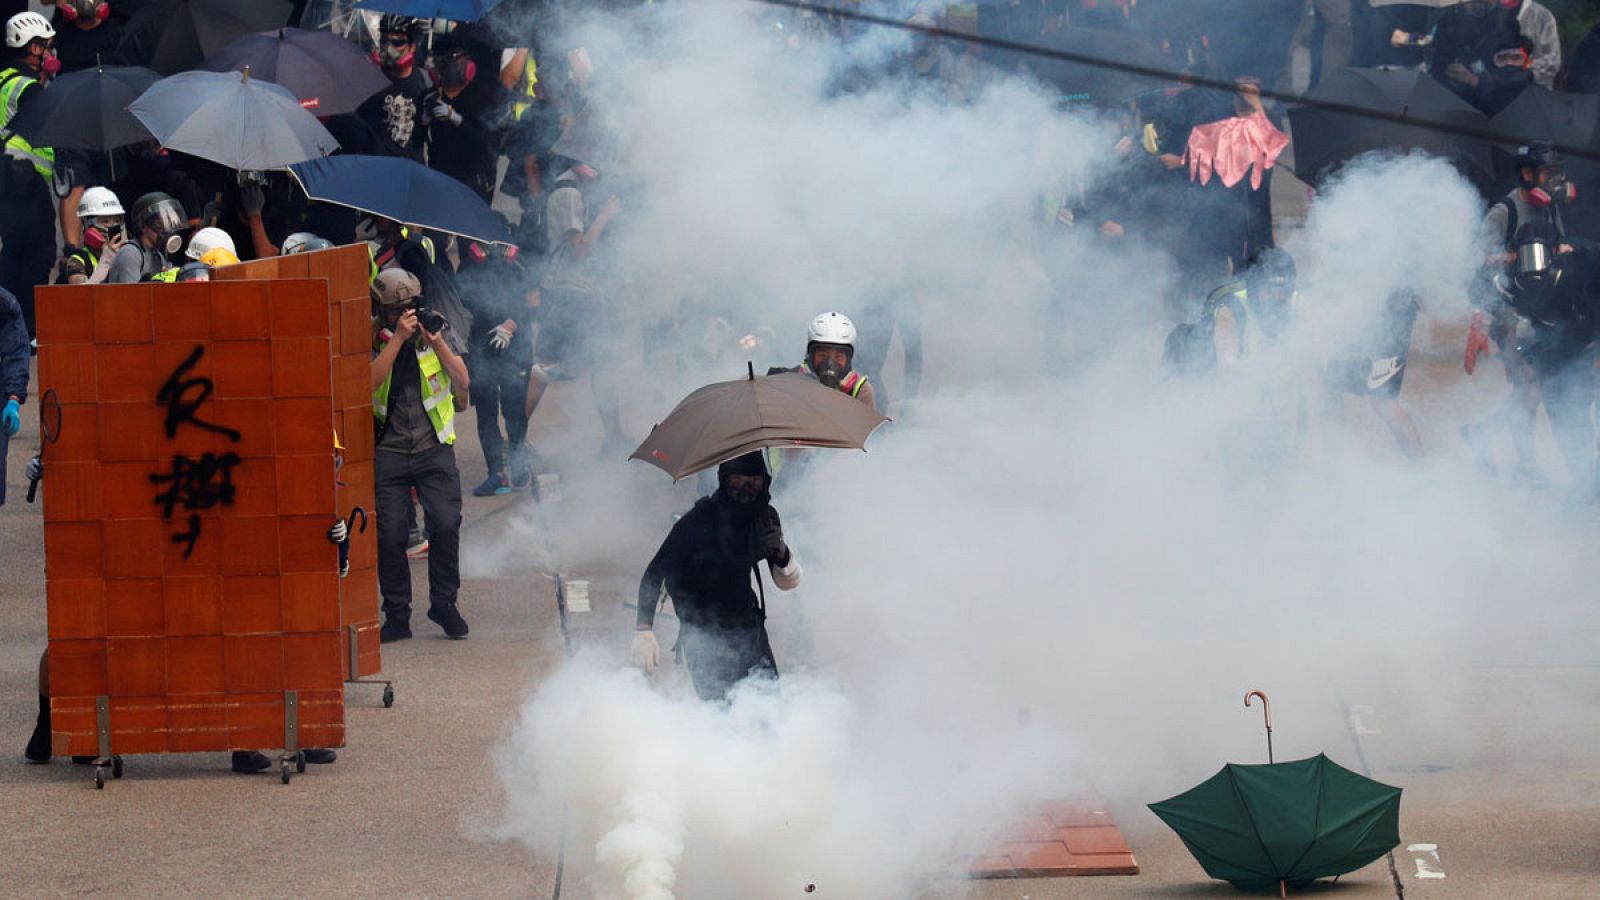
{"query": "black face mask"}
(454, 73)
(745, 496)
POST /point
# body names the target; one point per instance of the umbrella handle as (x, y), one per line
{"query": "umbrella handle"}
(1266, 713)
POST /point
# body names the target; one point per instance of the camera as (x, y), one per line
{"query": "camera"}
(431, 320)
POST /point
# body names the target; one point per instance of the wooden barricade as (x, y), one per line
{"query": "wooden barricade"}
(193, 598)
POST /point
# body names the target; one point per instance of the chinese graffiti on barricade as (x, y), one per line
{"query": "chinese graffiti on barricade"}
(192, 485)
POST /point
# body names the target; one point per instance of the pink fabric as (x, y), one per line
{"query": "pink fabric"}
(1232, 147)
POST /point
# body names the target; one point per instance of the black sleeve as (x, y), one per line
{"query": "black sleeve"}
(667, 562)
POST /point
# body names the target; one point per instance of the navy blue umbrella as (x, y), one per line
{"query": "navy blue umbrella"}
(399, 189)
(454, 10)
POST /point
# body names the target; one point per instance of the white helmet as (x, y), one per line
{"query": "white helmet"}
(303, 242)
(99, 201)
(832, 328)
(24, 28)
(208, 239)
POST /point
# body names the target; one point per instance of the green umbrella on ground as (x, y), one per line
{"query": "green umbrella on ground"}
(1285, 824)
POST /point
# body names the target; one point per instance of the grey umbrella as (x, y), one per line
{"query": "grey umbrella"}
(229, 118)
(731, 418)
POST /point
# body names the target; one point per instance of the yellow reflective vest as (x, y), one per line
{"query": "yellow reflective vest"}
(436, 398)
(13, 82)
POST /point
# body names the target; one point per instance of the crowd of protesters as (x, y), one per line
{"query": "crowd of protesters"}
(490, 108)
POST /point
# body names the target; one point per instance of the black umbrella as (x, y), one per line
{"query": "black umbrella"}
(1402, 105)
(1571, 120)
(329, 74)
(175, 35)
(87, 110)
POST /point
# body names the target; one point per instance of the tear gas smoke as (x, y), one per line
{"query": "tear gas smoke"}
(1040, 580)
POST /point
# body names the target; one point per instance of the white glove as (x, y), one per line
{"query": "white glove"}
(442, 110)
(35, 469)
(500, 338)
(646, 652)
(339, 533)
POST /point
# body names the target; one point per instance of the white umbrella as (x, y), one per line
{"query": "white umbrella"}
(228, 118)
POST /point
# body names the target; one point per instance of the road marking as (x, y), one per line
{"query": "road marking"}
(1425, 868)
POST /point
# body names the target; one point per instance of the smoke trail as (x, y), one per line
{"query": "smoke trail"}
(1041, 578)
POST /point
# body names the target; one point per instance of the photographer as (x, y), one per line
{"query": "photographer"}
(414, 374)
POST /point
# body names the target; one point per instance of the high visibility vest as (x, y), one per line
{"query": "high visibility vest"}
(12, 83)
(851, 383)
(169, 276)
(436, 399)
(376, 263)
(1236, 298)
(85, 259)
(526, 96)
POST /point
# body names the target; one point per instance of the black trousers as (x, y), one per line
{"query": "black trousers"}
(438, 485)
(27, 236)
(719, 657)
(499, 389)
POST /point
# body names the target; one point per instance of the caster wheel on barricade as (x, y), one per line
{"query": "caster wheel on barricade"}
(300, 761)
(116, 767)
(285, 770)
(99, 778)
(388, 696)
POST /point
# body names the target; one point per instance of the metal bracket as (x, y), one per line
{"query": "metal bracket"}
(102, 715)
(291, 721)
(355, 655)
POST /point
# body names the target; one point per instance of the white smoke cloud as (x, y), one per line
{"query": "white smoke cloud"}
(1035, 583)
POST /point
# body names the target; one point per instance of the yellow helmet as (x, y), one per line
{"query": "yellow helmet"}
(219, 256)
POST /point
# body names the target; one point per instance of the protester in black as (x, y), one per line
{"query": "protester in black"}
(461, 142)
(495, 288)
(396, 113)
(86, 34)
(708, 564)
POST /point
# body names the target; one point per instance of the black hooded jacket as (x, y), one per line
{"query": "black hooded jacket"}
(705, 564)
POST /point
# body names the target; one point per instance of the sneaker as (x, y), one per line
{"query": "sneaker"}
(446, 617)
(394, 630)
(495, 485)
(249, 762)
(318, 757)
(418, 550)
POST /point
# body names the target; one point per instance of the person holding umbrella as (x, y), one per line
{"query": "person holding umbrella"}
(27, 228)
(706, 565)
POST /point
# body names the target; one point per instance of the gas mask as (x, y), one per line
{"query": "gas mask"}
(394, 52)
(98, 234)
(745, 495)
(166, 219)
(48, 63)
(457, 71)
(85, 9)
(1555, 187)
(827, 369)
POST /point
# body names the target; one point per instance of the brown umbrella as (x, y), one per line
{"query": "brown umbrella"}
(731, 418)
